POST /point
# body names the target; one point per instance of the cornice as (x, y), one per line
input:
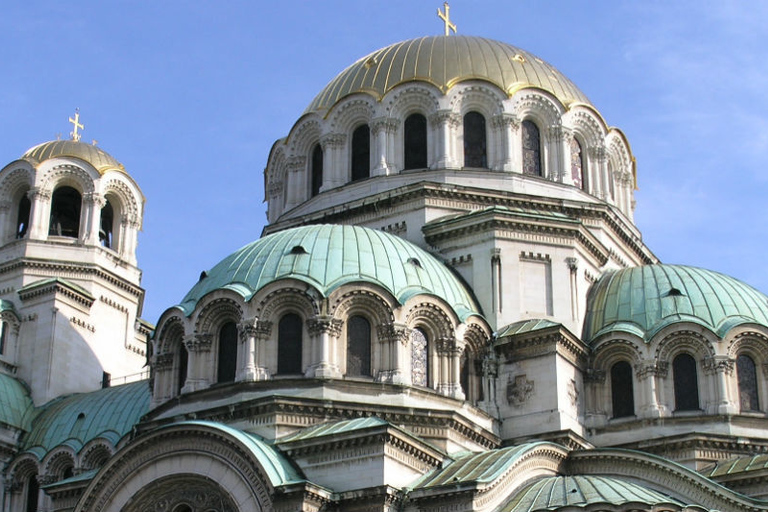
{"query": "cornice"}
(531, 344)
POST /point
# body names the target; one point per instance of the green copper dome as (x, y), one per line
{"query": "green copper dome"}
(444, 61)
(16, 409)
(329, 256)
(643, 300)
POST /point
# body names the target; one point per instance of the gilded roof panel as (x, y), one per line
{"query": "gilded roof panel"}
(445, 61)
(94, 155)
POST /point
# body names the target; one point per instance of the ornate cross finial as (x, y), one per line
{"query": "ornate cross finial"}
(76, 123)
(447, 19)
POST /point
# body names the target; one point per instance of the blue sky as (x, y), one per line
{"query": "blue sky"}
(190, 96)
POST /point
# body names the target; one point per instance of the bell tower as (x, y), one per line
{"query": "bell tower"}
(70, 287)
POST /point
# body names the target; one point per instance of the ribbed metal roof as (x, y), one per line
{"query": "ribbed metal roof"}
(334, 427)
(642, 300)
(90, 153)
(523, 326)
(16, 408)
(329, 256)
(444, 61)
(571, 492)
(736, 466)
(76, 419)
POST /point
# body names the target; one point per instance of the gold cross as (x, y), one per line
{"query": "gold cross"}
(76, 123)
(447, 19)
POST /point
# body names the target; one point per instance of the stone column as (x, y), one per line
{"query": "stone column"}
(324, 331)
(506, 126)
(163, 388)
(90, 219)
(383, 131)
(721, 368)
(335, 166)
(199, 350)
(599, 187)
(445, 155)
(594, 383)
(394, 339)
(7, 222)
(449, 352)
(254, 335)
(556, 151)
(648, 372)
(39, 213)
(297, 185)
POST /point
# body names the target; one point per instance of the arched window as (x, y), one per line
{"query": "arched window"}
(317, 169)
(474, 140)
(3, 336)
(470, 377)
(107, 223)
(181, 375)
(358, 347)
(531, 149)
(419, 358)
(577, 163)
(686, 383)
(22, 216)
(32, 493)
(289, 344)
(227, 352)
(65, 212)
(622, 391)
(747, 376)
(361, 153)
(415, 142)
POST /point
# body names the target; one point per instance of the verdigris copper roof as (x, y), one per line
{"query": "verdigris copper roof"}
(329, 256)
(334, 427)
(16, 408)
(643, 300)
(740, 465)
(94, 155)
(444, 61)
(523, 326)
(77, 419)
(587, 492)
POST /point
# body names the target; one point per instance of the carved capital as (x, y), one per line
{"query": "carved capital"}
(388, 124)
(557, 133)
(595, 375)
(506, 120)
(332, 140)
(198, 342)
(573, 264)
(254, 328)
(652, 368)
(394, 332)
(445, 117)
(5, 206)
(162, 362)
(324, 324)
(296, 163)
(718, 364)
(37, 193)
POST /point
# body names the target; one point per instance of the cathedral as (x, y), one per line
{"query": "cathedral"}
(450, 309)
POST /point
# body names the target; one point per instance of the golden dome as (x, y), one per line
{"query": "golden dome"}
(444, 61)
(98, 158)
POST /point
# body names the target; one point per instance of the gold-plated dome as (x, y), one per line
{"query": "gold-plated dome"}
(445, 61)
(98, 158)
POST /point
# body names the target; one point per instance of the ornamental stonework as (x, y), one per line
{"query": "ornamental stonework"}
(519, 390)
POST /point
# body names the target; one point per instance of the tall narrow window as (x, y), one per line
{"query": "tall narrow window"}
(747, 376)
(358, 347)
(611, 186)
(464, 371)
(33, 491)
(686, 383)
(531, 149)
(3, 336)
(227, 352)
(577, 163)
(317, 169)
(65, 212)
(474, 140)
(361, 153)
(289, 344)
(622, 391)
(107, 223)
(181, 375)
(419, 358)
(415, 142)
(22, 216)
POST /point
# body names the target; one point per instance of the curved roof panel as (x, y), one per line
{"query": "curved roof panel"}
(94, 155)
(16, 408)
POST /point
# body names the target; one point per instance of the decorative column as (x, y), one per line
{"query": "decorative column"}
(496, 281)
(383, 130)
(324, 330)
(595, 413)
(721, 368)
(648, 372)
(254, 335)
(600, 183)
(444, 148)
(7, 225)
(449, 380)
(39, 213)
(199, 350)
(163, 388)
(506, 126)
(90, 220)
(335, 166)
(394, 340)
(297, 187)
(127, 238)
(556, 151)
(573, 267)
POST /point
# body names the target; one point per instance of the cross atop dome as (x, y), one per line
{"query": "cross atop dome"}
(76, 124)
(446, 19)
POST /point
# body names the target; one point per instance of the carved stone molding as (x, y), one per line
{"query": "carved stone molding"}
(198, 342)
(321, 324)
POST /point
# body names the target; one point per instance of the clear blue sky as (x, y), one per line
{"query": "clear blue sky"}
(190, 96)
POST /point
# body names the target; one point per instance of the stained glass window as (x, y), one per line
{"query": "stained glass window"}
(622, 392)
(358, 347)
(474, 140)
(317, 169)
(577, 163)
(227, 352)
(361, 153)
(289, 342)
(686, 383)
(415, 142)
(419, 358)
(747, 376)
(531, 149)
